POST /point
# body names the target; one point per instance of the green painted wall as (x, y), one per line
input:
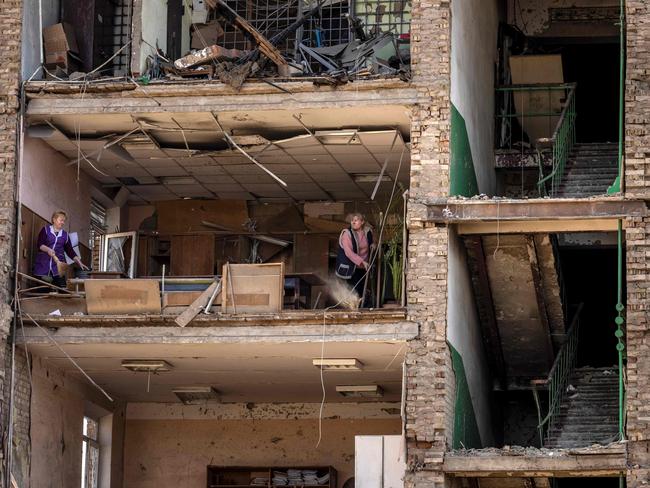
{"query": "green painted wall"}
(462, 176)
(466, 433)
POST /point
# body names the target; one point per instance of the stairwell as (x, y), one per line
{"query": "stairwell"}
(589, 411)
(589, 171)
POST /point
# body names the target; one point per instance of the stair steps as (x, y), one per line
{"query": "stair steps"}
(589, 171)
(589, 411)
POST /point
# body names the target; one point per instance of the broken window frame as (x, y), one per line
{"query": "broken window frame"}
(105, 263)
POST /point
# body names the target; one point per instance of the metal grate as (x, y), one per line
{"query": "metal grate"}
(113, 32)
(384, 15)
(267, 16)
(330, 28)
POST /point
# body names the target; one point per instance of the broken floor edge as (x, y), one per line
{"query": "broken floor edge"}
(454, 210)
(66, 334)
(593, 461)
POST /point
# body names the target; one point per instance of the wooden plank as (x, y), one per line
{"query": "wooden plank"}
(311, 254)
(180, 298)
(193, 310)
(137, 296)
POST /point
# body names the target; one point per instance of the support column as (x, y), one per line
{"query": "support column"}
(637, 236)
(10, 53)
(429, 382)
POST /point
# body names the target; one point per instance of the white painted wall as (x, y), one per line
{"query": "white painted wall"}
(31, 42)
(473, 55)
(48, 184)
(153, 22)
(464, 333)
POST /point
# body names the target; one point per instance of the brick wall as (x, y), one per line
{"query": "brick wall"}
(429, 382)
(637, 93)
(430, 122)
(11, 21)
(637, 235)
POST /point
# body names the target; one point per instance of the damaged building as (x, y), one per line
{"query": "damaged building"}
(208, 156)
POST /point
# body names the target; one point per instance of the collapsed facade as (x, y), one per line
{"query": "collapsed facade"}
(504, 343)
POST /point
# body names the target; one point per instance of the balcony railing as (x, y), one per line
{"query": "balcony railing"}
(538, 120)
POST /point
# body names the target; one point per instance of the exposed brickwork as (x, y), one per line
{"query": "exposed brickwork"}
(429, 382)
(11, 21)
(637, 95)
(430, 123)
(637, 236)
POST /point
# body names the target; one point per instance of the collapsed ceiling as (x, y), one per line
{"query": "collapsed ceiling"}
(199, 155)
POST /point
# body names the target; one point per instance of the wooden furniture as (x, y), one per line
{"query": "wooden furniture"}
(181, 254)
(297, 289)
(122, 297)
(232, 477)
(252, 288)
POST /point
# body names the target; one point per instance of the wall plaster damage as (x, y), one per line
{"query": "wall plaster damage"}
(209, 153)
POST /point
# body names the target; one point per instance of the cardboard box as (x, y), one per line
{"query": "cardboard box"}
(64, 60)
(59, 38)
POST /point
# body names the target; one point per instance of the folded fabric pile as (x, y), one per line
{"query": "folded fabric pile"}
(279, 478)
(260, 481)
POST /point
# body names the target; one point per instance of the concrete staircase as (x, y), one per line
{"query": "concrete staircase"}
(589, 412)
(519, 299)
(590, 170)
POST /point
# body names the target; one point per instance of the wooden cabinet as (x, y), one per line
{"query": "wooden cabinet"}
(237, 476)
(182, 255)
(192, 255)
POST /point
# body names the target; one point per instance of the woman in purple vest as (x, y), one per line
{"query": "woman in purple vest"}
(352, 260)
(53, 243)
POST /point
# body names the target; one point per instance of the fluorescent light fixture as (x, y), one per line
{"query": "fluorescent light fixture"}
(195, 394)
(338, 364)
(369, 178)
(146, 365)
(337, 137)
(360, 391)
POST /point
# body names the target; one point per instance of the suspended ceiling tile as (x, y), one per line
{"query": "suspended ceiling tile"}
(190, 190)
(243, 169)
(147, 180)
(286, 169)
(335, 177)
(297, 141)
(318, 168)
(224, 187)
(232, 160)
(265, 190)
(303, 178)
(196, 161)
(157, 162)
(359, 164)
(380, 138)
(336, 149)
(254, 178)
(302, 195)
(167, 171)
(219, 179)
(213, 169)
(126, 170)
(313, 150)
(148, 191)
(347, 195)
(243, 195)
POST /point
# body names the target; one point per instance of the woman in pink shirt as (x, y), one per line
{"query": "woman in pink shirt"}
(353, 256)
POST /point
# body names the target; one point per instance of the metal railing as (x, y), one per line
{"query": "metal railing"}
(557, 380)
(539, 118)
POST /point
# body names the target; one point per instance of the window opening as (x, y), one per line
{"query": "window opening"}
(97, 230)
(113, 29)
(90, 453)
